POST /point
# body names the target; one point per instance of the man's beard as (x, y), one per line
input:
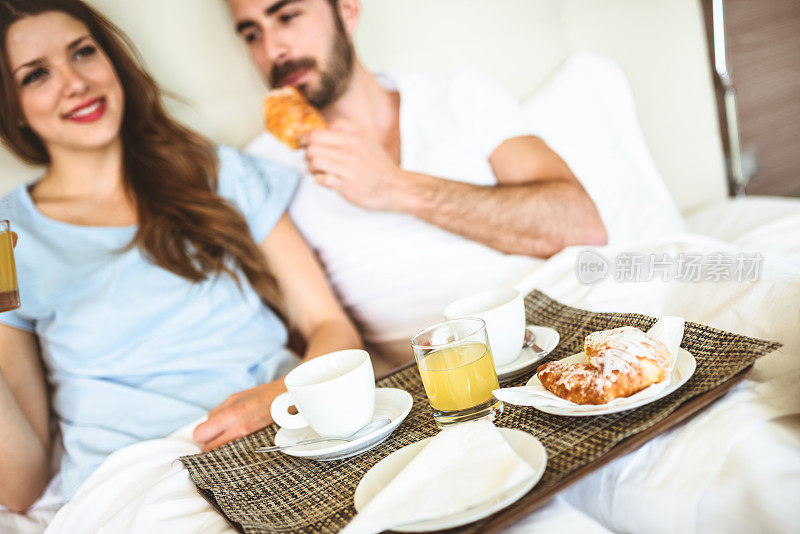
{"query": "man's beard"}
(333, 79)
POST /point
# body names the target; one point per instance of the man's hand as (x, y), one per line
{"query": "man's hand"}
(241, 414)
(348, 160)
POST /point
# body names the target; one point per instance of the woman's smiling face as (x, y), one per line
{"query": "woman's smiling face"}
(67, 87)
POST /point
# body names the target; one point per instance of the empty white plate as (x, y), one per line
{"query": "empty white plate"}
(391, 403)
(525, 445)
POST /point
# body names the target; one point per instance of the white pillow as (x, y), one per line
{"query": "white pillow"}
(586, 113)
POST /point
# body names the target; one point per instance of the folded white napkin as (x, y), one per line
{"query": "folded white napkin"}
(459, 468)
(668, 330)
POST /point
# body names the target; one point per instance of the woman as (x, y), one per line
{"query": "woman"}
(141, 277)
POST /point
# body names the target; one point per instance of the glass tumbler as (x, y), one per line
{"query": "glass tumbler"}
(455, 362)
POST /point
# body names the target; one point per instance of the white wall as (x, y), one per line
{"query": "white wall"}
(519, 42)
(661, 47)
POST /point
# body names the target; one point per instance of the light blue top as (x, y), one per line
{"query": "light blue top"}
(134, 352)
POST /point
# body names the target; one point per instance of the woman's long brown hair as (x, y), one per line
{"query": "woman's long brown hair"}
(184, 225)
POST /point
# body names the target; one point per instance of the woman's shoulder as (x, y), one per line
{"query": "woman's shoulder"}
(12, 197)
(234, 162)
(247, 174)
(259, 188)
(13, 206)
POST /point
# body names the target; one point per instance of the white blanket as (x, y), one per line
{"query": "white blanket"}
(736, 465)
(142, 488)
(733, 468)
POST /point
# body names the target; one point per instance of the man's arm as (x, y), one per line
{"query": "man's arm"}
(537, 208)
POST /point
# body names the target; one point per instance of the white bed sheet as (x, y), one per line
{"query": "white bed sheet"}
(761, 223)
(733, 467)
(736, 466)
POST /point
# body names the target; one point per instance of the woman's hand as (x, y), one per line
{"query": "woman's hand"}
(241, 414)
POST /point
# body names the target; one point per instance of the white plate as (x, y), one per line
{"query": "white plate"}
(546, 338)
(526, 446)
(390, 403)
(683, 371)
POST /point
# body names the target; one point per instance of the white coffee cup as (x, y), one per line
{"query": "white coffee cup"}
(334, 394)
(503, 310)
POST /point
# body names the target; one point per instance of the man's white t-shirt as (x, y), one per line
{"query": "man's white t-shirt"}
(395, 273)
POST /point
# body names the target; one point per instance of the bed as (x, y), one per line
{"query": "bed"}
(732, 468)
(643, 76)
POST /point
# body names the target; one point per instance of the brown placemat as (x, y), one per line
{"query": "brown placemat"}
(279, 493)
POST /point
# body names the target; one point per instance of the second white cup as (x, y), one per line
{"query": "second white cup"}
(334, 394)
(503, 310)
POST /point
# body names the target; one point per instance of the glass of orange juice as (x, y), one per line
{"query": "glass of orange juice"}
(9, 290)
(455, 362)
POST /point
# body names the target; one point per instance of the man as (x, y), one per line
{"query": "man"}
(421, 190)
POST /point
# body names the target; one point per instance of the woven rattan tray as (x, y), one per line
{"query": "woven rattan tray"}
(278, 493)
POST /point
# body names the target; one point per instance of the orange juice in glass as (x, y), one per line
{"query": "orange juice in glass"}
(455, 362)
(9, 290)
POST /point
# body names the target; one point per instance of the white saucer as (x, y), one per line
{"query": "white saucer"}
(525, 445)
(390, 403)
(685, 366)
(545, 337)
